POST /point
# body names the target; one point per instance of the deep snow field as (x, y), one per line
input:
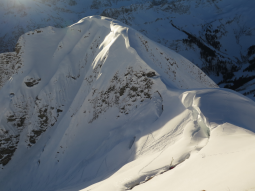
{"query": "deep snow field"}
(98, 106)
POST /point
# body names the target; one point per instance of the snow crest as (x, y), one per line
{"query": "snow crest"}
(99, 106)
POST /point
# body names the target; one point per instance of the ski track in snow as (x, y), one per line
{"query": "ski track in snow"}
(103, 107)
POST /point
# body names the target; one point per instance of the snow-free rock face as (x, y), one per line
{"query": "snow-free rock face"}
(99, 106)
(9, 64)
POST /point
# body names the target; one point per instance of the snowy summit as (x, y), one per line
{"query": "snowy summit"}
(98, 106)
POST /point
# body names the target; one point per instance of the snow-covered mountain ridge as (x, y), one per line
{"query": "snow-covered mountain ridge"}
(99, 106)
(216, 35)
(78, 56)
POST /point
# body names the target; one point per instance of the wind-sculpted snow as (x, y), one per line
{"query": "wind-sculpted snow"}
(216, 35)
(77, 60)
(99, 106)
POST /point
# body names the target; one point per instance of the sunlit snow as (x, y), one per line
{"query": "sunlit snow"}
(98, 106)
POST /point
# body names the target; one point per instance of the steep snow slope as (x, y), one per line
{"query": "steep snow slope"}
(99, 106)
(206, 149)
(71, 78)
(216, 35)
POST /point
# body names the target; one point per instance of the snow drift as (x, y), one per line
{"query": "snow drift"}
(98, 106)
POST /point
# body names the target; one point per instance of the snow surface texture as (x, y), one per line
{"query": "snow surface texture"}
(98, 106)
(216, 35)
